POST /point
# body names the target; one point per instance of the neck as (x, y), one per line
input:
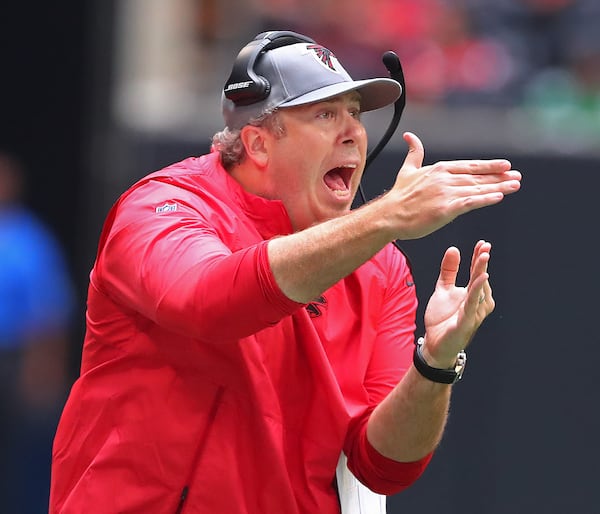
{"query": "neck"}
(250, 178)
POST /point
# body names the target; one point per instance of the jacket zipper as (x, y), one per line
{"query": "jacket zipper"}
(200, 448)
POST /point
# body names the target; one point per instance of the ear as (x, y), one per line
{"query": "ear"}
(254, 140)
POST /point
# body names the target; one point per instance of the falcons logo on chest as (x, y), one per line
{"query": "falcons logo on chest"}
(316, 307)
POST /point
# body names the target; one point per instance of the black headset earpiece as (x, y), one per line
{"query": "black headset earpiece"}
(244, 86)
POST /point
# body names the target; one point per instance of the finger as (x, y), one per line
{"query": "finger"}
(471, 186)
(488, 295)
(449, 267)
(480, 247)
(483, 178)
(485, 301)
(476, 293)
(480, 266)
(416, 151)
(474, 187)
(475, 179)
(479, 286)
(478, 166)
(464, 203)
(475, 253)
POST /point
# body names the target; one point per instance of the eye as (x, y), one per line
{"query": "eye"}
(325, 115)
(355, 113)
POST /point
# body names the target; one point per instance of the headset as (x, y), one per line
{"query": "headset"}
(244, 86)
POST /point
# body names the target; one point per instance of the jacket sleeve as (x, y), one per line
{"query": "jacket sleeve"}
(390, 359)
(173, 269)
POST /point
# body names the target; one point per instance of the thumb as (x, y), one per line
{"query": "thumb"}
(416, 152)
(449, 267)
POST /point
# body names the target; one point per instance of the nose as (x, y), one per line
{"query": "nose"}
(352, 129)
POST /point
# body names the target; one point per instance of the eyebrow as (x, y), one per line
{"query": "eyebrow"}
(353, 96)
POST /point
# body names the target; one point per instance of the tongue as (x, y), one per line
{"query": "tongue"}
(334, 181)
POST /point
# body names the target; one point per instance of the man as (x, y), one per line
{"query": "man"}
(36, 307)
(247, 331)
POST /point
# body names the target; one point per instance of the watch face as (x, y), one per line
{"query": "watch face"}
(461, 362)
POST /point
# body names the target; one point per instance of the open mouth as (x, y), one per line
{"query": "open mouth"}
(338, 179)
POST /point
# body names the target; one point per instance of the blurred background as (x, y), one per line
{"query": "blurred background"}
(97, 93)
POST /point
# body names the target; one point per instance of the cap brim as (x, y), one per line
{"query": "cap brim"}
(375, 93)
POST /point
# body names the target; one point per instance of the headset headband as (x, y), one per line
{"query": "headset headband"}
(244, 86)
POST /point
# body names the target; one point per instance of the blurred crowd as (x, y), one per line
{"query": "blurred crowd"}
(540, 55)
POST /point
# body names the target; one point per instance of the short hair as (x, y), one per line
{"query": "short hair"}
(229, 143)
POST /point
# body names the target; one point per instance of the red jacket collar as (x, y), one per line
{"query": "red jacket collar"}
(270, 216)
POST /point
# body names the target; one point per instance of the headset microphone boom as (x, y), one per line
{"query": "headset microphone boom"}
(392, 63)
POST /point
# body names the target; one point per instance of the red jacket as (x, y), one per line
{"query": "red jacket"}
(201, 380)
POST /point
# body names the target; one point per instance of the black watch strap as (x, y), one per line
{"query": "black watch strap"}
(442, 376)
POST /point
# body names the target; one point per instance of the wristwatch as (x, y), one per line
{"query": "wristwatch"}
(442, 376)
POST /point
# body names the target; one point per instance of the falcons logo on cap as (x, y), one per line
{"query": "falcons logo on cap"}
(323, 54)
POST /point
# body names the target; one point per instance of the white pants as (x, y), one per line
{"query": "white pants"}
(356, 498)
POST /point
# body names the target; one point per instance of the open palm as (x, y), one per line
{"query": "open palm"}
(454, 313)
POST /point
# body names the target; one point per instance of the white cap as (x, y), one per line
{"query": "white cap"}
(303, 73)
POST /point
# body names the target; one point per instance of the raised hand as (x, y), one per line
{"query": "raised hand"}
(454, 313)
(429, 197)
